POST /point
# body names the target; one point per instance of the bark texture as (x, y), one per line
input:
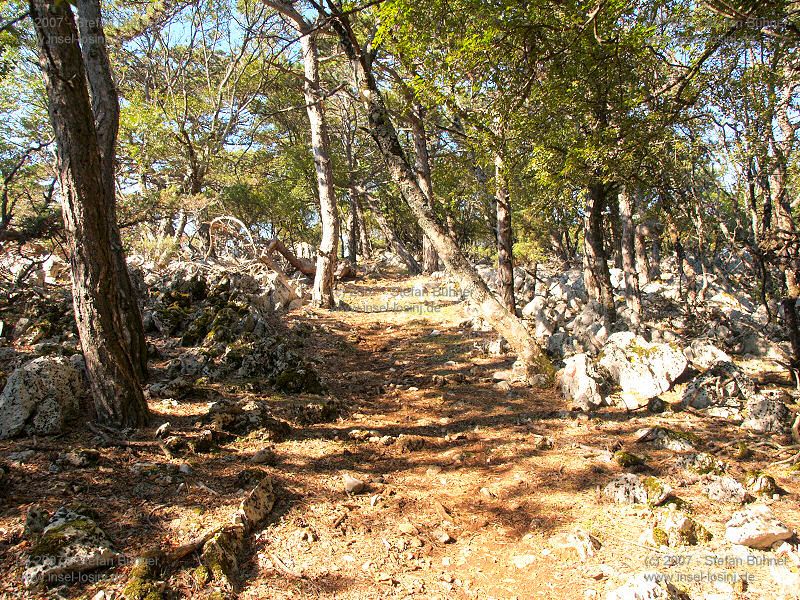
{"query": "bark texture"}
(91, 246)
(596, 274)
(105, 108)
(504, 235)
(628, 252)
(422, 166)
(324, 280)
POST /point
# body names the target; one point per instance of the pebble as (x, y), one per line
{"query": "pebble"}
(353, 485)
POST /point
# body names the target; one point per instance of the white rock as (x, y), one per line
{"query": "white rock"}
(642, 369)
(580, 383)
(645, 586)
(756, 527)
(629, 488)
(40, 397)
(75, 543)
(703, 355)
(524, 561)
(725, 489)
(353, 485)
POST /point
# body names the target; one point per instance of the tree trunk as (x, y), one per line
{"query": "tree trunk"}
(422, 167)
(596, 274)
(322, 294)
(504, 235)
(396, 244)
(628, 237)
(614, 251)
(91, 244)
(642, 263)
(105, 108)
(655, 263)
(352, 229)
(530, 355)
(363, 233)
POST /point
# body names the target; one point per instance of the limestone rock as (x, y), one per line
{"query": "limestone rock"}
(756, 527)
(646, 586)
(701, 463)
(632, 489)
(220, 555)
(40, 397)
(765, 415)
(725, 489)
(70, 543)
(703, 355)
(761, 484)
(584, 544)
(667, 439)
(643, 370)
(353, 485)
(581, 384)
(675, 528)
(257, 504)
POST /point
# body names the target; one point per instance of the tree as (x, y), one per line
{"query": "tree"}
(320, 148)
(105, 108)
(88, 220)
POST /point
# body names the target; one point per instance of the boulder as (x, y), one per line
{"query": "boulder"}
(643, 370)
(756, 527)
(632, 489)
(725, 489)
(723, 385)
(40, 397)
(765, 415)
(725, 391)
(70, 543)
(581, 384)
(533, 308)
(675, 528)
(703, 355)
(701, 463)
(667, 439)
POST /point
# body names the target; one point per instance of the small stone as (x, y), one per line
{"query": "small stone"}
(185, 469)
(353, 485)
(524, 561)
(629, 488)
(627, 459)
(163, 429)
(761, 484)
(583, 543)
(407, 528)
(541, 442)
(36, 520)
(265, 456)
(82, 458)
(677, 529)
(443, 537)
(22, 456)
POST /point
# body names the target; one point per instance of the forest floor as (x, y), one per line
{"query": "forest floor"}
(464, 500)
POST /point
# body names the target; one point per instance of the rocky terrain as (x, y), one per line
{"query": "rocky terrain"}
(380, 451)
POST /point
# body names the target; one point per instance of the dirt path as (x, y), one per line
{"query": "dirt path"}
(468, 501)
(471, 483)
